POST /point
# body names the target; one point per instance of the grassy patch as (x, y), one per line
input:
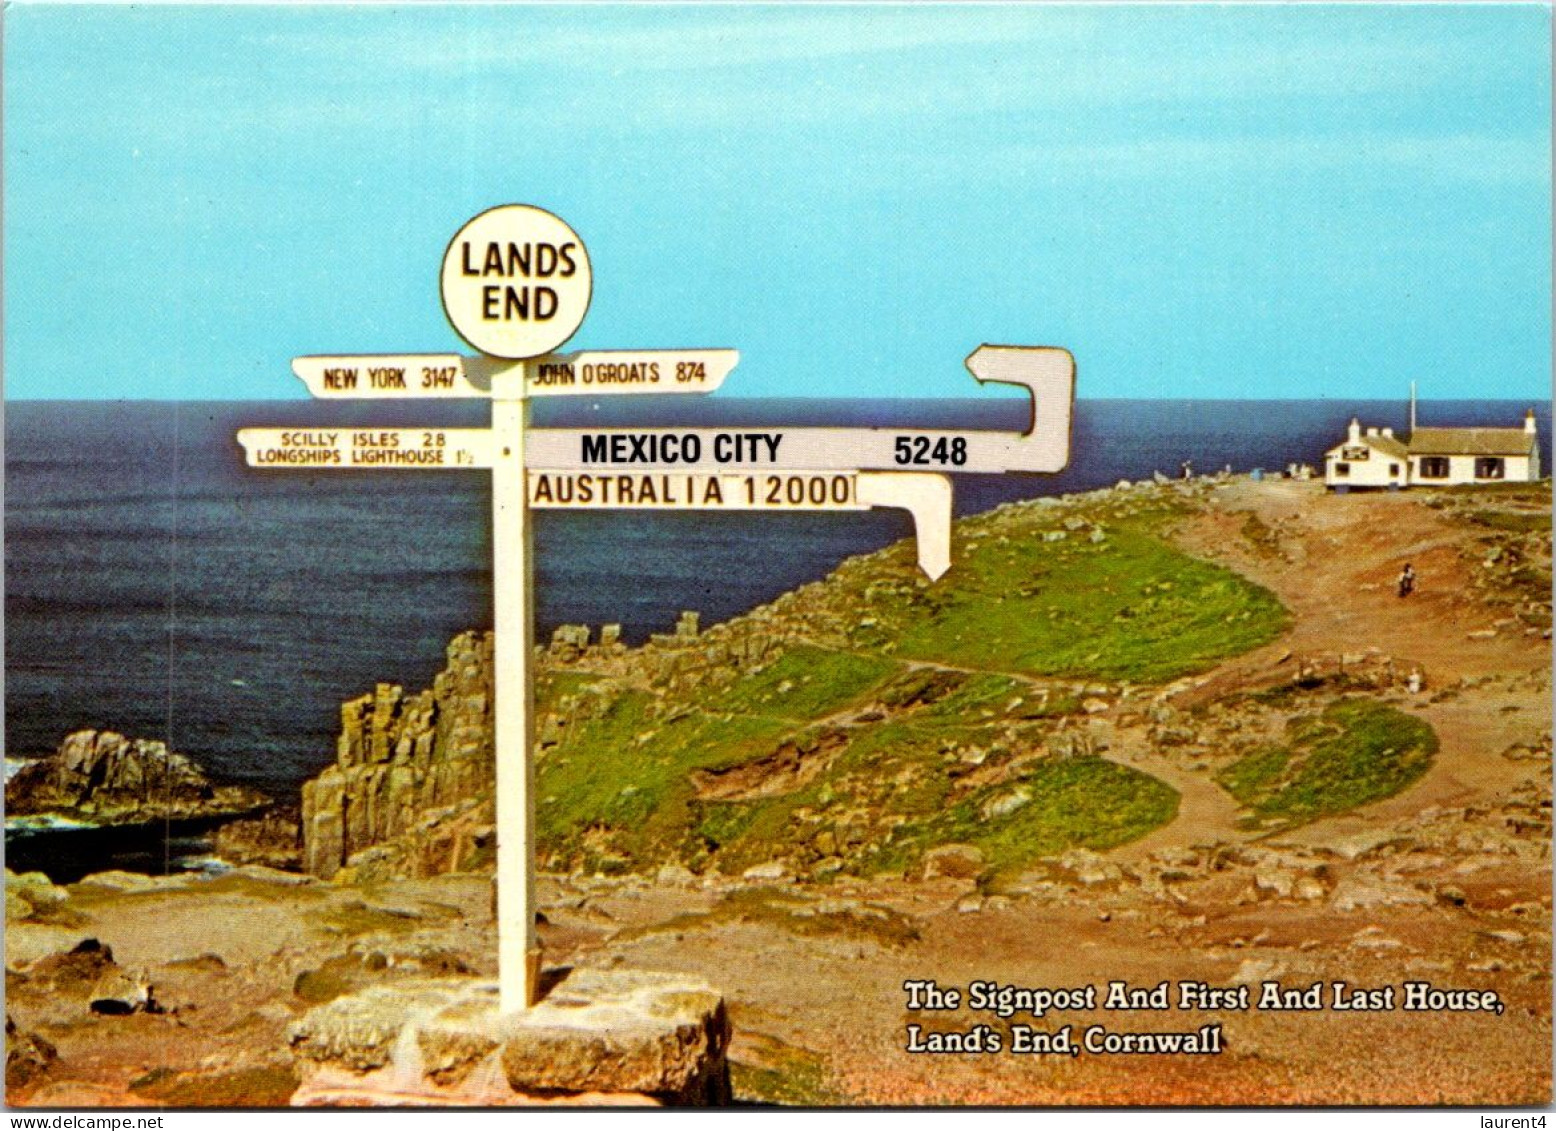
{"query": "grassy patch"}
(354, 917)
(782, 1074)
(628, 769)
(1066, 591)
(806, 683)
(1356, 752)
(988, 696)
(1061, 804)
(1129, 608)
(1517, 522)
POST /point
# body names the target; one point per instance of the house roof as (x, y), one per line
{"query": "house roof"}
(1470, 442)
(1388, 445)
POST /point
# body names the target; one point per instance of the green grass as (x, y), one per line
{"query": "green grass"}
(783, 1074)
(1072, 803)
(807, 683)
(1356, 752)
(958, 667)
(1131, 608)
(628, 769)
(1516, 522)
(990, 696)
(554, 684)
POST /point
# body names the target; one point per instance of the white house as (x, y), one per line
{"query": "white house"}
(1374, 458)
(1434, 457)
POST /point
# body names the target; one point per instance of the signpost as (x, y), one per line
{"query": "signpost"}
(595, 373)
(516, 283)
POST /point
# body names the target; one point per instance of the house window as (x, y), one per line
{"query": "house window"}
(1342, 470)
(1434, 467)
(1489, 467)
(1393, 469)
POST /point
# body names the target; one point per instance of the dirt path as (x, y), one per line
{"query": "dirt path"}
(1333, 560)
(1206, 812)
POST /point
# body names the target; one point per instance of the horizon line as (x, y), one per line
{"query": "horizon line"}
(445, 401)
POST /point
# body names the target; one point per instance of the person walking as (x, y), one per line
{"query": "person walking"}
(1407, 580)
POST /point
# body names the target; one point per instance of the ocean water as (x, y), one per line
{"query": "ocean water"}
(156, 586)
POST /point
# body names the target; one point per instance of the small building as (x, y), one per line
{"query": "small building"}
(1370, 458)
(1434, 457)
(1475, 455)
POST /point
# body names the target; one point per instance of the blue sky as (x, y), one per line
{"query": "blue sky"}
(1198, 202)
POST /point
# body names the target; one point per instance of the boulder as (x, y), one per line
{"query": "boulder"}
(30, 893)
(108, 779)
(956, 861)
(1006, 803)
(273, 840)
(119, 992)
(27, 1055)
(74, 971)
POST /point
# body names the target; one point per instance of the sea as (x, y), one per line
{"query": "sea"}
(158, 587)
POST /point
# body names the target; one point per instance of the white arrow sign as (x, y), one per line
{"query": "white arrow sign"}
(1046, 374)
(926, 497)
(368, 449)
(591, 373)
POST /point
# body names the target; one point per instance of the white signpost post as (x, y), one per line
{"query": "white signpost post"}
(516, 283)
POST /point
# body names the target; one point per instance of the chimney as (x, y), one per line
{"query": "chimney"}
(1529, 424)
(1372, 431)
(1389, 433)
(1354, 432)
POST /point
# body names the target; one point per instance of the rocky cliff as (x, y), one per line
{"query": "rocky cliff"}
(410, 793)
(1052, 693)
(411, 788)
(108, 779)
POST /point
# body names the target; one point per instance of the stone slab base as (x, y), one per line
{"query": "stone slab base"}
(598, 1037)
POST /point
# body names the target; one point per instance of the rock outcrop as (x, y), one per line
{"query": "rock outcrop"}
(107, 779)
(27, 1055)
(30, 894)
(410, 791)
(272, 839)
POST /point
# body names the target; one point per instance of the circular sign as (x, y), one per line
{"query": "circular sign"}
(516, 282)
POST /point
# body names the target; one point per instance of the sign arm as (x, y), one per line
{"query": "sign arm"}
(925, 496)
(1047, 373)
